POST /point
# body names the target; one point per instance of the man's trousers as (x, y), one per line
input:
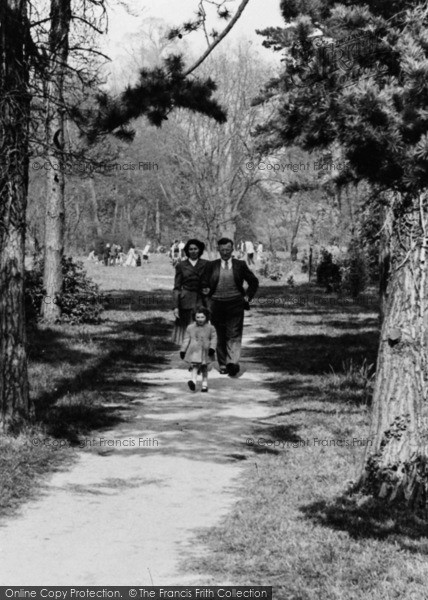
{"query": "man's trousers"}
(227, 316)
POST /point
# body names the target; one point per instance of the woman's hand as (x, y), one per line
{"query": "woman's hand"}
(205, 291)
(176, 313)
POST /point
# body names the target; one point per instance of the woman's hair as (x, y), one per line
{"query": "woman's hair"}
(203, 310)
(194, 242)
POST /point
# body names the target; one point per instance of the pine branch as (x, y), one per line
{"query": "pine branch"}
(218, 39)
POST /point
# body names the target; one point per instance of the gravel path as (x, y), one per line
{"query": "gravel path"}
(129, 514)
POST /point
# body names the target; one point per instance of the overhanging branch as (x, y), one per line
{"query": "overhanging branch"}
(218, 40)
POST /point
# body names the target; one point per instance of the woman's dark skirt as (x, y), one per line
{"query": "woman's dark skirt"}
(181, 324)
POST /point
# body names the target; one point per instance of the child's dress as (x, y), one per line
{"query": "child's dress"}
(198, 339)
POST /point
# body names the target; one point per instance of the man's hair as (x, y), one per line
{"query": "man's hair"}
(224, 241)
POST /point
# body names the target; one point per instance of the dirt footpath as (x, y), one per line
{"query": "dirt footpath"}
(128, 514)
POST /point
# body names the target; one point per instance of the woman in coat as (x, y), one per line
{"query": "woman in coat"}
(187, 292)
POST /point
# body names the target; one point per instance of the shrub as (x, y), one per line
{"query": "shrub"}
(328, 272)
(355, 271)
(271, 268)
(80, 300)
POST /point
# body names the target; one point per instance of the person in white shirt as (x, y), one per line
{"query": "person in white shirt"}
(249, 249)
(259, 251)
(146, 252)
(181, 247)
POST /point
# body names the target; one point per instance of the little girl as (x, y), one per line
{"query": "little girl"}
(198, 347)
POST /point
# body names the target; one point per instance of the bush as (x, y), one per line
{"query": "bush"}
(80, 300)
(271, 268)
(328, 272)
(355, 271)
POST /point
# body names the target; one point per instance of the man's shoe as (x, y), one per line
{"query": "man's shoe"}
(223, 371)
(191, 385)
(232, 369)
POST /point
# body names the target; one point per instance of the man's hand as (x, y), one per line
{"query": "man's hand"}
(182, 355)
(176, 313)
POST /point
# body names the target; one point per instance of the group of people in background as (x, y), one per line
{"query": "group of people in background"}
(112, 254)
(213, 291)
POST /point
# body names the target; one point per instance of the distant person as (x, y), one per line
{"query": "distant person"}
(106, 254)
(131, 258)
(174, 253)
(294, 252)
(260, 252)
(146, 251)
(188, 293)
(198, 347)
(249, 249)
(241, 249)
(113, 254)
(225, 279)
(181, 246)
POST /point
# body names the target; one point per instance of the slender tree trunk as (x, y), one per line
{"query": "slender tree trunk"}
(145, 221)
(114, 224)
(15, 404)
(55, 181)
(157, 222)
(396, 464)
(93, 197)
(229, 221)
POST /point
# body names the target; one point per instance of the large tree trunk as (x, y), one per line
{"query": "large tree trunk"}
(14, 120)
(55, 181)
(396, 462)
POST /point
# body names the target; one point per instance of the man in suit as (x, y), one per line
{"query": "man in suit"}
(225, 279)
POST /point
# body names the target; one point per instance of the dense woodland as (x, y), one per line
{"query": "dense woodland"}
(214, 146)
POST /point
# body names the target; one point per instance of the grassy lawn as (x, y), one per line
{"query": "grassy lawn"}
(296, 527)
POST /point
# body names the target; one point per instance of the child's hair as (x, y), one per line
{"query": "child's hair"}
(203, 310)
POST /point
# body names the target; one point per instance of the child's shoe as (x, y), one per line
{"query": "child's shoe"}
(204, 388)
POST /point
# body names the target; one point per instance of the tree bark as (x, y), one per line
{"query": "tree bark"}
(60, 16)
(396, 465)
(93, 196)
(15, 404)
(387, 218)
(157, 222)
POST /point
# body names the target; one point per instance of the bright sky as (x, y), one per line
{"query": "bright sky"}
(258, 14)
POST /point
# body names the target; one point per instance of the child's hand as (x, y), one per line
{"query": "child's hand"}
(182, 355)
(211, 352)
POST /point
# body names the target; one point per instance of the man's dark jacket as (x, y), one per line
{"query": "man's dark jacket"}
(241, 273)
